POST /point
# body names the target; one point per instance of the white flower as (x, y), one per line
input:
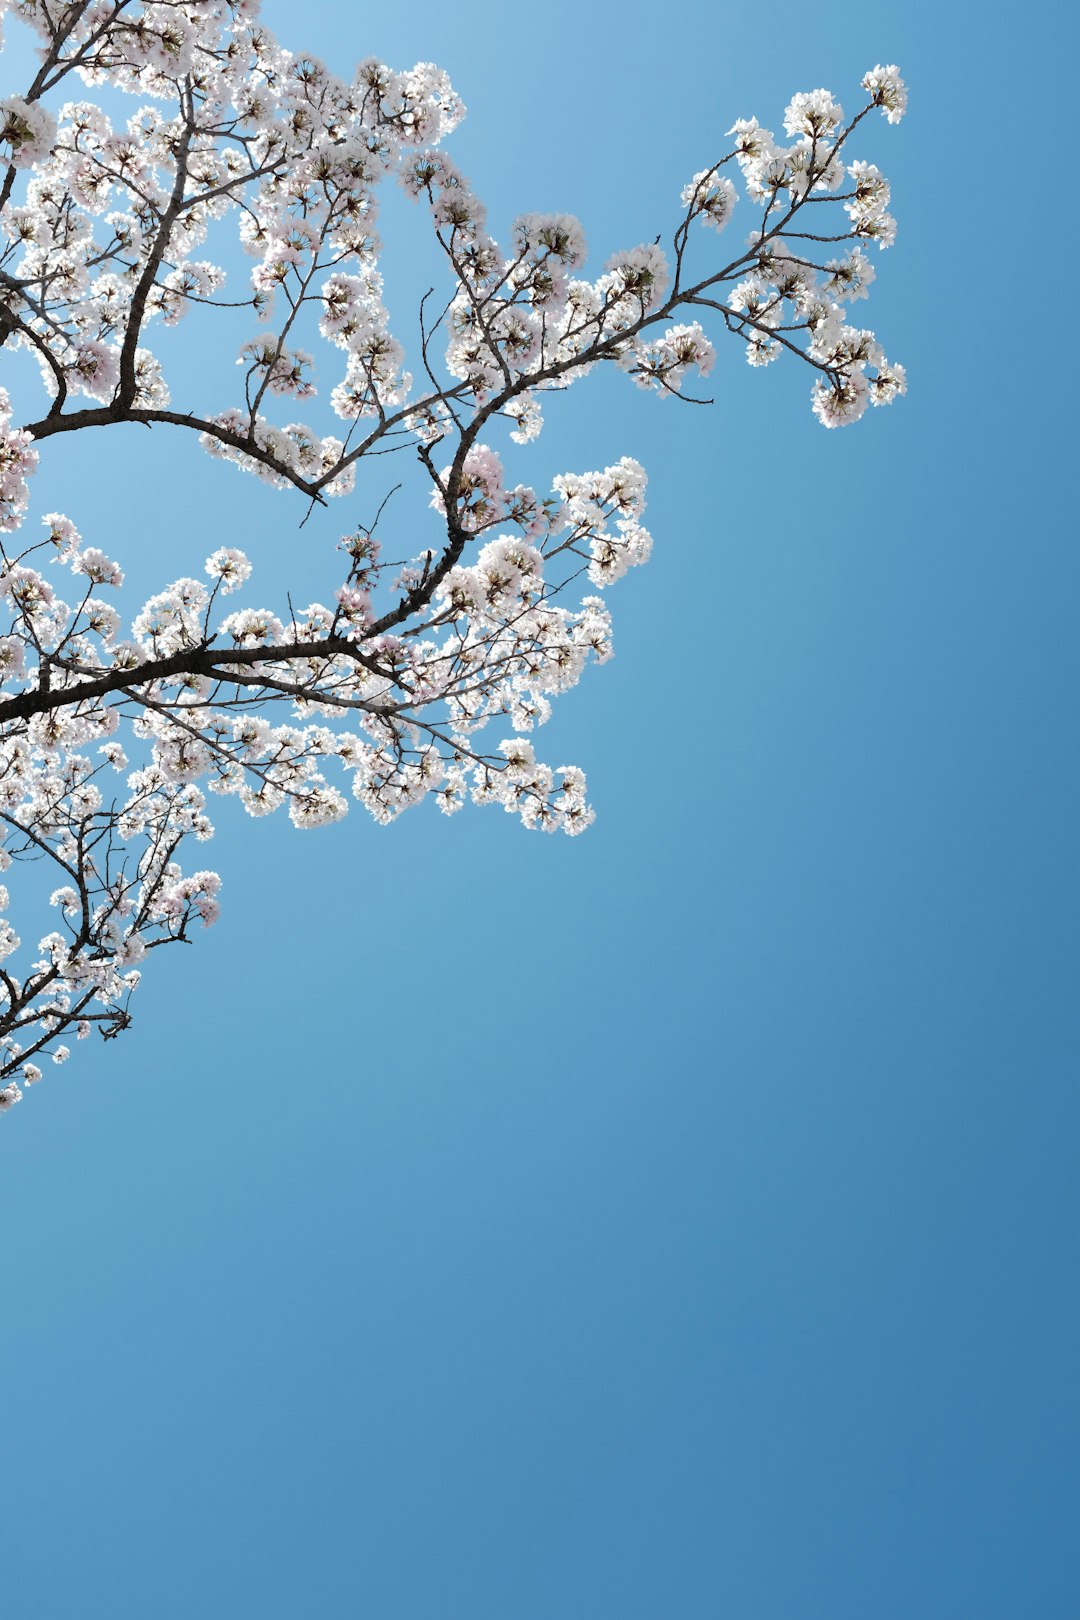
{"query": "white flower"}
(557, 235)
(230, 566)
(814, 113)
(28, 129)
(887, 91)
(711, 197)
(836, 405)
(890, 382)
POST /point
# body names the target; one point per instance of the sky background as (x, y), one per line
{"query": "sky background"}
(679, 1220)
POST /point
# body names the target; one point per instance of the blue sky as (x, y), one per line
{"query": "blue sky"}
(680, 1220)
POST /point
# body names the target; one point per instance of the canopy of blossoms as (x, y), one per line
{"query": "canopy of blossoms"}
(427, 673)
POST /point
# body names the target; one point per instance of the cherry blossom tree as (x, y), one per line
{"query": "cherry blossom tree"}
(111, 737)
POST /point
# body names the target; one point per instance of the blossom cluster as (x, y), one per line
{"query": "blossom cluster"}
(397, 718)
(111, 231)
(18, 459)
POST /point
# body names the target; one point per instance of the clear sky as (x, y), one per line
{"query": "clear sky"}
(679, 1221)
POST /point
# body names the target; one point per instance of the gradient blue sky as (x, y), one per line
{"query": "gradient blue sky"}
(679, 1221)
